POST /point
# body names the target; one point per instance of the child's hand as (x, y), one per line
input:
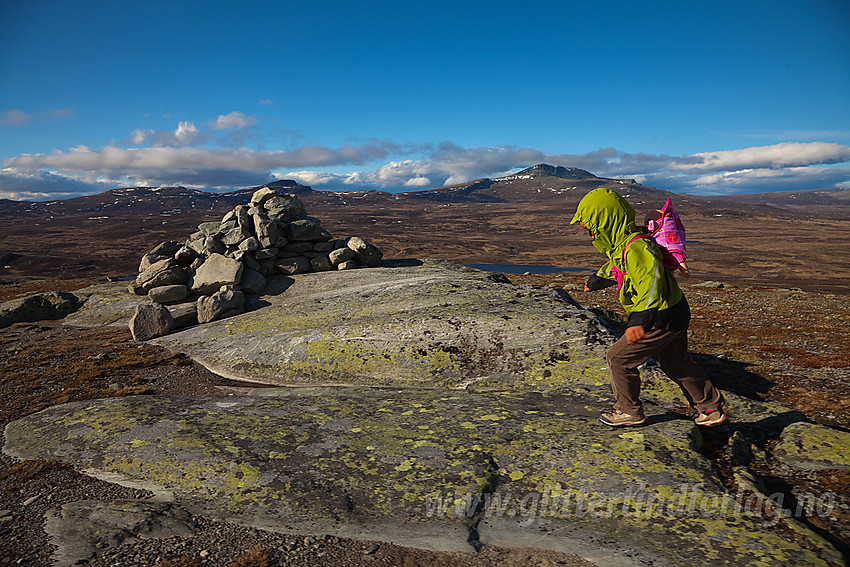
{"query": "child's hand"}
(635, 334)
(684, 269)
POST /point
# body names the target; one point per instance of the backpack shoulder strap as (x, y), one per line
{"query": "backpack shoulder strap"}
(629, 242)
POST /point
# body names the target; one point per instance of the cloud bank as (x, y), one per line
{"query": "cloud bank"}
(202, 157)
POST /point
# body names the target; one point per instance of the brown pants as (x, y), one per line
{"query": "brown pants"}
(671, 351)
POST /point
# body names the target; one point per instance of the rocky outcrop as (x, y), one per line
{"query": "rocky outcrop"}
(50, 305)
(407, 323)
(272, 235)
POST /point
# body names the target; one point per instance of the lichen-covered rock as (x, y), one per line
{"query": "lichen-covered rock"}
(49, 305)
(425, 467)
(430, 323)
(811, 446)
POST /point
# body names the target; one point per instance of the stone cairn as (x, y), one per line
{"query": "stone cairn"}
(207, 277)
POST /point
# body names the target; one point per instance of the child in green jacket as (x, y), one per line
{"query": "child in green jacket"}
(658, 313)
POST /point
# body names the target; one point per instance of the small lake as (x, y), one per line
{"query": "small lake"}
(523, 268)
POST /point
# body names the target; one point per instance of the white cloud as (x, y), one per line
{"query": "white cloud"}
(15, 118)
(187, 133)
(177, 158)
(422, 182)
(233, 121)
(139, 136)
(44, 185)
(787, 154)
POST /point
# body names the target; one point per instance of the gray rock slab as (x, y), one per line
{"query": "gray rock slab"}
(81, 530)
(434, 324)
(430, 468)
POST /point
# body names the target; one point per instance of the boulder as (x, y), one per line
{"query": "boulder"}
(292, 266)
(321, 263)
(297, 247)
(810, 446)
(150, 320)
(249, 244)
(163, 272)
(185, 256)
(149, 259)
(234, 236)
(364, 252)
(215, 272)
(168, 293)
(214, 246)
(222, 303)
(209, 228)
(168, 248)
(265, 254)
(341, 255)
(184, 314)
(323, 246)
(308, 229)
(348, 265)
(285, 208)
(262, 195)
(243, 218)
(266, 230)
(252, 281)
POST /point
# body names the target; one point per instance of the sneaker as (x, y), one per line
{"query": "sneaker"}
(710, 418)
(617, 418)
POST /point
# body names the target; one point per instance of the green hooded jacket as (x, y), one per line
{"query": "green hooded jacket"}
(649, 294)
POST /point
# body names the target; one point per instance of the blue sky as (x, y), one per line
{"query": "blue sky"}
(698, 97)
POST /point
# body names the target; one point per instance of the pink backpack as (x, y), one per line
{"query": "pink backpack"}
(666, 229)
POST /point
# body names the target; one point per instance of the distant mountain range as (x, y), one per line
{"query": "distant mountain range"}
(539, 184)
(517, 219)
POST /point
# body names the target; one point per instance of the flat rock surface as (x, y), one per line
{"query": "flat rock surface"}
(420, 323)
(425, 468)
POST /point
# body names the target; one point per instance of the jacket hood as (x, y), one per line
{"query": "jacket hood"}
(609, 217)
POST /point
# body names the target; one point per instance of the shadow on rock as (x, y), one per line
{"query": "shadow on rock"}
(733, 376)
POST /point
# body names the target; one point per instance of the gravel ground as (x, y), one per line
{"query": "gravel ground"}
(767, 343)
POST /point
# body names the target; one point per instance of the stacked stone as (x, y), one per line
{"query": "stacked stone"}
(225, 260)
